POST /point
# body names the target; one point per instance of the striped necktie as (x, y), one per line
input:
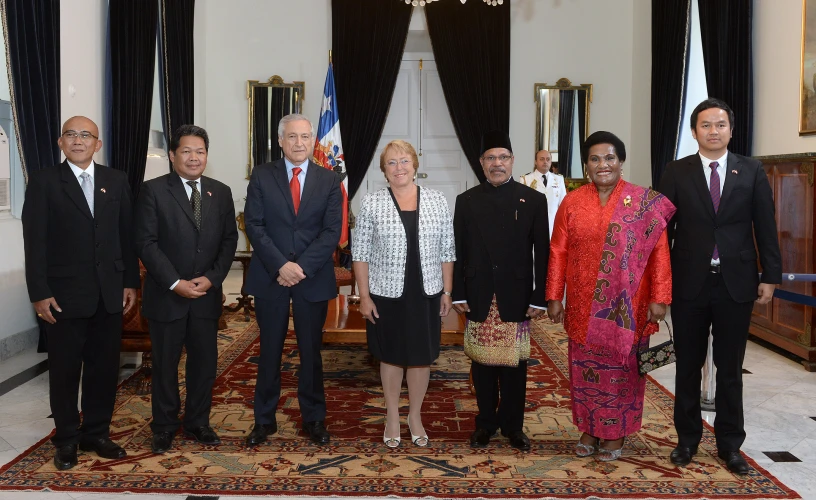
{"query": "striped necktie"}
(714, 189)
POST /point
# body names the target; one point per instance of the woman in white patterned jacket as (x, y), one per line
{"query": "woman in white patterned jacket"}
(403, 251)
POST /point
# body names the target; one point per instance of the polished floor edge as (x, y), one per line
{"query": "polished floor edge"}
(24, 376)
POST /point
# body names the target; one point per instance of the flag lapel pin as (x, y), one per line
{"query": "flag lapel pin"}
(734, 172)
(209, 193)
(102, 189)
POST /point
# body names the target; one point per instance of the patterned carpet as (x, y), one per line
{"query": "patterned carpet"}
(357, 462)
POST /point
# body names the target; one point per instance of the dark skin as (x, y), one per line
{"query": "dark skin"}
(604, 169)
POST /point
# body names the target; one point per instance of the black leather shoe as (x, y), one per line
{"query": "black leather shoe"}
(480, 438)
(103, 447)
(162, 441)
(735, 462)
(317, 432)
(682, 455)
(204, 435)
(66, 457)
(519, 440)
(260, 433)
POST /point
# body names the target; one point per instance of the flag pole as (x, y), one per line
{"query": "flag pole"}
(330, 61)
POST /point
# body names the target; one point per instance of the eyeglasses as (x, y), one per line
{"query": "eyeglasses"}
(502, 158)
(83, 134)
(404, 162)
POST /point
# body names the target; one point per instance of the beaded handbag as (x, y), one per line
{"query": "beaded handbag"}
(652, 358)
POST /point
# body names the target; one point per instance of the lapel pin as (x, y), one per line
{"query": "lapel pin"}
(103, 190)
(627, 202)
(734, 172)
(522, 200)
(209, 193)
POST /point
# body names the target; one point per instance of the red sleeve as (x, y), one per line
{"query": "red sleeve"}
(557, 269)
(659, 267)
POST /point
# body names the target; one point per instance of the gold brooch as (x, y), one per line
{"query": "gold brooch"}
(627, 202)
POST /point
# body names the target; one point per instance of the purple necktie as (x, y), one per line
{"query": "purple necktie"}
(714, 189)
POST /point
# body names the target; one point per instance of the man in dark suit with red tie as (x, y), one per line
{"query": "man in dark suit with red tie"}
(293, 215)
(186, 237)
(81, 274)
(724, 203)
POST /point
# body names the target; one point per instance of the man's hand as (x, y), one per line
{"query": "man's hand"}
(657, 312)
(461, 308)
(445, 305)
(202, 283)
(290, 274)
(534, 312)
(128, 299)
(188, 290)
(368, 310)
(43, 308)
(765, 292)
(555, 310)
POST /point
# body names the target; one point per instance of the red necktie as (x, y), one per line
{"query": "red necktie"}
(294, 187)
(714, 189)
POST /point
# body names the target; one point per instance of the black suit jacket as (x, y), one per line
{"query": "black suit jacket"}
(746, 213)
(171, 247)
(502, 235)
(278, 235)
(72, 255)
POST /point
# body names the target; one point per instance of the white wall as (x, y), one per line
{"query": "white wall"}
(586, 41)
(253, 40)
(777, 52)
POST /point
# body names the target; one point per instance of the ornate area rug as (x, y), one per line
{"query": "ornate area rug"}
(358, 463)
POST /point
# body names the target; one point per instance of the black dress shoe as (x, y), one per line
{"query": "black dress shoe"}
(66, 457)
(317, 432)
(519, 440)
(682, 455)
(103, 447)
(260, 434)
(162, 441)
(480, 438)
(204, 435)
(735, 462)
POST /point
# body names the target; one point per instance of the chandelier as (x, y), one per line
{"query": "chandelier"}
(422, 3)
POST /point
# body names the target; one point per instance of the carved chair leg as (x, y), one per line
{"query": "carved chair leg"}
(145, 384)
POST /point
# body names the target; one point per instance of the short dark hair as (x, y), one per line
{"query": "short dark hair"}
(603, 137)
(186, 130)
(711, 102)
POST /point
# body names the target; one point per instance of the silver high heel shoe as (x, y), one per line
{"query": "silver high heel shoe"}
(605, 455)
(421, 441)
(391, 442)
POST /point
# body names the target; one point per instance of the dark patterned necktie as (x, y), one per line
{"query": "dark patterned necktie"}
(714, 189)
(195, 201)
(544, 178)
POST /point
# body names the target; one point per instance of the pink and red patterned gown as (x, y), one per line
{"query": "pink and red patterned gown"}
(607, 397)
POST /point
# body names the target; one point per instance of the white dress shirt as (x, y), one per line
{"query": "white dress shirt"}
(189, 190)
(301, 177)
(721, 170)
(78, 171)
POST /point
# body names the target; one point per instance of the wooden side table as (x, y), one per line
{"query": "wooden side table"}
(244, 301)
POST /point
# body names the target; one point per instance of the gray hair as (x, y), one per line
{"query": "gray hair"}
(293, 118)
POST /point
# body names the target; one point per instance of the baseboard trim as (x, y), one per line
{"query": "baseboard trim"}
(19, 342)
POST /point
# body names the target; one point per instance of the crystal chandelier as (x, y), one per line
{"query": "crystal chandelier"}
(422, 3)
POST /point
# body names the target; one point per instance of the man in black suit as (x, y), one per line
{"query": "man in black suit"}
(724, 203)
(293, 214)
(81, 274)
(502, 248)
(186, 237)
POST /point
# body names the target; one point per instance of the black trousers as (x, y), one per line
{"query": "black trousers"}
(86, 349)
(500, 395)
(273, 319)
(198, 336)
(728, 320)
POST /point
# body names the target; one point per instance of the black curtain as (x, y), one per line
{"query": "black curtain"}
(33, 48)
(566, 112)
(726, 29)
(176, 64)
(132, 60)
(368, 39)
(260, 120)
(670, 28)
(582, 99)
(471, 44)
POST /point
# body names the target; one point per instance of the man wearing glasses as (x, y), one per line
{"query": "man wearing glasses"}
(81, 273)
(502, 248)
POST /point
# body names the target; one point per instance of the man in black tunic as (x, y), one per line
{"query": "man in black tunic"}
(502, 248)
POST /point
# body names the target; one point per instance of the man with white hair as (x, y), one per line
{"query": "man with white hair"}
(293, 214)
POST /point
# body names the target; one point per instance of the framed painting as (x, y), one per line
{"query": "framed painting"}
(807, 89)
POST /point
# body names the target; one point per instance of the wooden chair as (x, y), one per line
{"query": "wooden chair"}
(343, 276)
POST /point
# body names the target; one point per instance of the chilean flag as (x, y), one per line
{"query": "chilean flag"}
(328, 150)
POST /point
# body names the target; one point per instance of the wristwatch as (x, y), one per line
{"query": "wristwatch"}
(446, 293)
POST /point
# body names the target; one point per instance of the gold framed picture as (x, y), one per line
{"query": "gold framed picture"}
(807, 89)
